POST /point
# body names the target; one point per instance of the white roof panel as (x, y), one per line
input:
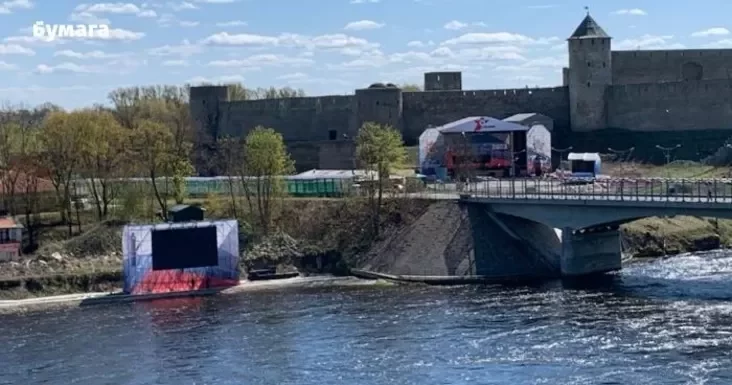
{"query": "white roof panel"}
(584, 156)
(329, 174)
(480, 124)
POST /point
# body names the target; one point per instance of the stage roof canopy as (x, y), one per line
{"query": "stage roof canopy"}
(481, 124)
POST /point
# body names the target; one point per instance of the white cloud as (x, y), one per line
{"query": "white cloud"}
(333, 41)
(185, 49)
(242, 39)
(175, 63)
(293, 76)
(147, 13)
(189, 23)
(456, 25)
(6, 66)
(649, 42)
(233, 23)
(63, 67)
(88, 18)
(363, 25)
(182, 6)
(119, 34)
(114, 8)
(717, 31)
(263, 60)
(15, 49)
(115, 34)
(420, 44)
(87, 55)
(32, 40)
(490, 38)
(226, 79)
(725, 43)
(339, 41)
(441, 56)
(631, 12)
(7, 7)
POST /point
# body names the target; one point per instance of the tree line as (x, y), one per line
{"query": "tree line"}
(147, 133)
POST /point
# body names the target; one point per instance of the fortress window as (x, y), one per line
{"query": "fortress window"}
(604, 65)
(332, 135)
(589, 64)
(588, 84)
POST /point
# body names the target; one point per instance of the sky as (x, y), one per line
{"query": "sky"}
(323, 46)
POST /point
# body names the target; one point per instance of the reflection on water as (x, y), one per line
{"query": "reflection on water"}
(668, 321)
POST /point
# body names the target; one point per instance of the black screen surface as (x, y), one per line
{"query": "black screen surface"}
(183, 248)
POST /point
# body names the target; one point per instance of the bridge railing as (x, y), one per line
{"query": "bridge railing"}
(650, 190)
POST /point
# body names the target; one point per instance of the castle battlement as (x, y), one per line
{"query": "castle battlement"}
(603, 90)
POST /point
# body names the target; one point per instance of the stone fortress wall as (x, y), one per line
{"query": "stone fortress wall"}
(616, 99)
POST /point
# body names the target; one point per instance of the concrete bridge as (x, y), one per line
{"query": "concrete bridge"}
(540, 228)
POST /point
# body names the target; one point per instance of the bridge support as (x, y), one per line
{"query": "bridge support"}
(590, 251)
(507, 246)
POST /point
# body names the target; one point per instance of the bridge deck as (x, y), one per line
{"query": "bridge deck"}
(717, 192)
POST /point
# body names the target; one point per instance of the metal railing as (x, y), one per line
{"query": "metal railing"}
(639, 190)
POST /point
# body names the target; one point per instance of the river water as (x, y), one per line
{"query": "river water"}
(662, 322)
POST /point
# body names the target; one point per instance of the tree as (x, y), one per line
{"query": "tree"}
(230, 162)
(180, 168)
(379, 148)
(105, 155)
(406, 87)
(266, 160)
(63, 139)
(17, 127)
(152, 145)
(30, 170)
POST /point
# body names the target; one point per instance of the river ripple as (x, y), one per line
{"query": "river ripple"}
(668, 321)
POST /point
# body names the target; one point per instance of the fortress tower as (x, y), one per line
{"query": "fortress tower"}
(443, 81)
(589, 75)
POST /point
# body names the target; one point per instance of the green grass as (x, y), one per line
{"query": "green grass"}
(650, 237)
(679, 170)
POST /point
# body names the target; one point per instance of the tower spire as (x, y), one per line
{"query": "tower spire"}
(588, 10)
(589, 29)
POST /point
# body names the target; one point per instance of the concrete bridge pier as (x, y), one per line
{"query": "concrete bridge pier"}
(590, 251)
(507, 247)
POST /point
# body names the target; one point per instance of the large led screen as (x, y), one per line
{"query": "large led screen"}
(183, 248)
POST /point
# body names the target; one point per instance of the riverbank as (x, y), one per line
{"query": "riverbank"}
(92, 298)
(416, 238)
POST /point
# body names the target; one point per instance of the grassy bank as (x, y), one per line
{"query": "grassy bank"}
(335, 230)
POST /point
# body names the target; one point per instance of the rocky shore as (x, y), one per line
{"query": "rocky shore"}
(326, 237)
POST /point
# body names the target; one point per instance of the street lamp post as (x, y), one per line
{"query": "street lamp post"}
(667, 154)
(619, 153)
(667, 151)
(561, 152)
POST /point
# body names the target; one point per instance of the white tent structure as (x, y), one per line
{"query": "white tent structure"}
(517, 145)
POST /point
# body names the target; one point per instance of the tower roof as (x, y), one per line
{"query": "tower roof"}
(589, 29)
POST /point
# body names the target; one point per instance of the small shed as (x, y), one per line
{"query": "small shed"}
(585, 165)
(11, 238)
(186, 213)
